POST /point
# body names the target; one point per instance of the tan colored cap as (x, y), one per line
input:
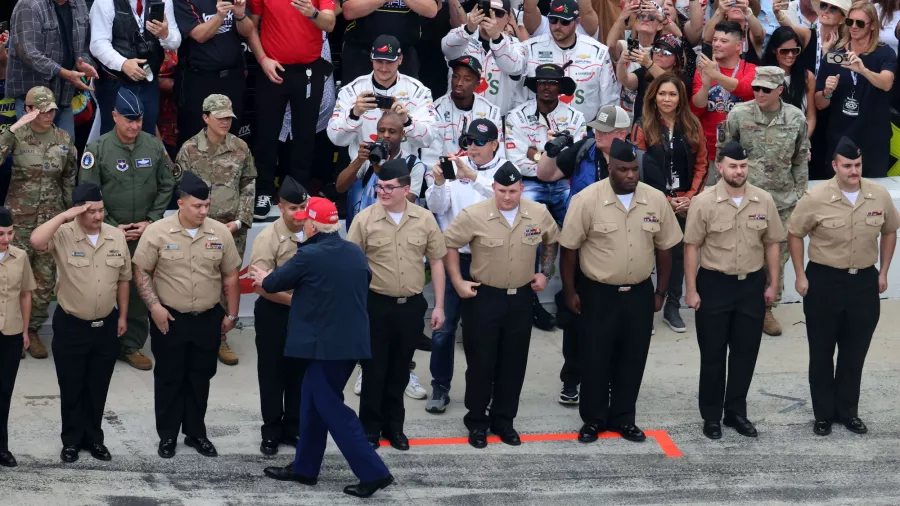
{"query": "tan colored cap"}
(768, 77)
(219, 106)
(42, 98)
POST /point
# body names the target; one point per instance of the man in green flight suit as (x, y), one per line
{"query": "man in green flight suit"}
(132, 170)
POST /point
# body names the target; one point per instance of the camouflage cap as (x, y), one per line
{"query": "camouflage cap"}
(42, 98)
(218, 106)
(768, 77)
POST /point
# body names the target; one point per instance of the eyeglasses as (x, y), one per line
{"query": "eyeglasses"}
(760, 89)
(664, 52)
(859, 23)
(477, 142)
(829, 8)
(386, 189)
(646, 16)
(564, 22)
(784, 51)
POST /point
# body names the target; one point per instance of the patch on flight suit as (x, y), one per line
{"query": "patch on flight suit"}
(143, 163)
(121, 165)
(177, 171)
(87, 160)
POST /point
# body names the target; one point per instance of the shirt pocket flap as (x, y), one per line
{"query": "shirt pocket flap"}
(78, 261)
(417, 240)
(757, 224)
(875, 221)
(490, 243)
(605, 228)
(531, 240)
(833, 222)
(720, 226)
(115, 262)
(379, 241)
(650, 226)
(171, 254)
(213, 254)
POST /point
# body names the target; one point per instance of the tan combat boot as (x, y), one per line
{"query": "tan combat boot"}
(139, 361)
(36, 348)
(771, 325)
(226, 355)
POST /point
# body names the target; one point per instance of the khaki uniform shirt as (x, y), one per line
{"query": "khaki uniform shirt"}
(617, 246)
(274, 246)
(395, 251)
(731, 237)
(15, 277)
(88, 274)
(842, 235)
(187, 272)
(502, 255)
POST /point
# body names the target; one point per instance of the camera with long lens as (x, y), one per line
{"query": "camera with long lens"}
(562, 141)
(378, 151)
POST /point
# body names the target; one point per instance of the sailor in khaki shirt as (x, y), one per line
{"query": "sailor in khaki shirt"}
(734, 228)
(615, 226)
(843, 218)
(94, 273)
(280, 377)
(16, 284)
(181, 266)
(395, 235)
(504, 233)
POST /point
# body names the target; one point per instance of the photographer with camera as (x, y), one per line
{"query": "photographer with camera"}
(127, 39)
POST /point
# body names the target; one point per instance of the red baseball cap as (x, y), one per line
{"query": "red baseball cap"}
(319, 210)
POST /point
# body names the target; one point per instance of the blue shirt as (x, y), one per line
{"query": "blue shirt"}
(328, 321)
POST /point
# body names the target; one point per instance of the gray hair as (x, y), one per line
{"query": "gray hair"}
(326, 228)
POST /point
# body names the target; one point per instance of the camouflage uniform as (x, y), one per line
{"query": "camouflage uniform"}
(43, 177)
(778, 152)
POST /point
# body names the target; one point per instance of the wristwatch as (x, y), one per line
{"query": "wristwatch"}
(232, 318)
(314, 15)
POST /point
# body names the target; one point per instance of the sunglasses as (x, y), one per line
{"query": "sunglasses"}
(646, 16)
(829, 8)
(789, 51)
(760, 89)
(564, 22)
(858, 22)
(499, 13)
(478, 142)
(664, 52)
(547, 82)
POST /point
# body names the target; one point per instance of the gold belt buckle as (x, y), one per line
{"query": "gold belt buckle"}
(511, 291)
(96, 324)
(742, 277)
(401, 300)
(853, 270)
(624, 288)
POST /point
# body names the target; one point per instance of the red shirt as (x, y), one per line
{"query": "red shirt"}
(720, 102)
(287, 36)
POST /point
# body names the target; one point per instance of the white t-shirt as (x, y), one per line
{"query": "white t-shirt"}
(886, 34)
(299, 236)
(510, 215)
(193, 231)
(396, 217)
(626, 199)
(2, 254)
(737, 200)
(93, 238)
(851, 196)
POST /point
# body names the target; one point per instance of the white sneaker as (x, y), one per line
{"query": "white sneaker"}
(357, 387)
(414, 390)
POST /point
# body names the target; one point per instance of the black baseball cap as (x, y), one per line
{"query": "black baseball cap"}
(386, 47)
(563, 9)
(467, 61)
(482, 129)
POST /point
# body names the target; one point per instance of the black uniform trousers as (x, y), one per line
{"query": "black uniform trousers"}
(85, 355)
(496, 338)
(10, 355)
(395, 326)
(271, 101)
(193, 86)
(616, 322)
(280, 377)
(356, 60)
(186, 360)
(729, 329)
(841, 309)
(570, 323)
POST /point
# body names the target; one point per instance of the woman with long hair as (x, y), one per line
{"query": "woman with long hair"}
(856, 92)
(784, 51)
(888, 17)
(673, 140)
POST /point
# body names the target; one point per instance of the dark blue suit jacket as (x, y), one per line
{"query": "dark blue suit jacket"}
(330, 278)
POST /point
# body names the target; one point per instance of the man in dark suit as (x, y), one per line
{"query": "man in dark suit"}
(329, 326)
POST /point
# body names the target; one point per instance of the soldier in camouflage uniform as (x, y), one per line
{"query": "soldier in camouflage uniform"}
(132, 170)
(775, 136)
(224, 162)
(43, 177)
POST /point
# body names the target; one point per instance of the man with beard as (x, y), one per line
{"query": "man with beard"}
(735, 226)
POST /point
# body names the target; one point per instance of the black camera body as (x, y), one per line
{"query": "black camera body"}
(562, 141)
(378, 151)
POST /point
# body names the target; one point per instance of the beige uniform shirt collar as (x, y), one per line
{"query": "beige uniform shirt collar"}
(722, 196)
(865, 191)
(175, 226)
(80, 235)
(282, 233)
(411, 212)
(495, 214)
(609, 198)
(9, 253)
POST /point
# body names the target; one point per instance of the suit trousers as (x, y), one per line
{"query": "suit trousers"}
(186, 361)
(842, 310)
(322, 411)
(10, 355)
(729, 330)
(616, 323)
(395, 326)
(85, 355)
(496, 347)
(280, 377)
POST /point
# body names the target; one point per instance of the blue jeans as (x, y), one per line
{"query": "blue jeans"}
(107, 90)
(65, 118)
(554, 195)
(443, 340)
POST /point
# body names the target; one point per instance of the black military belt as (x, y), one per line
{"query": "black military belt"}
(507, 291)
(398, 300)
(92, 323)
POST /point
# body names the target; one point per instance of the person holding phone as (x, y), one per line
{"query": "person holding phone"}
(754, 34)
(127, 39)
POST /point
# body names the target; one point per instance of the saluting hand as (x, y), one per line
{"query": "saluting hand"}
(466, 289)
(801, 284)
(27, 118)
(161, 318)
(437, 318)
(71, 213)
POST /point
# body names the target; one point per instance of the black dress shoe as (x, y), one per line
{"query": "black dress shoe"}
(166, 448)
(822, 427)
(7, 460)
(397, 439)
(99, 452)
(289, 441)
(424, 343)
(366, 489)
(287, 473)
(856, 425)
(478, 438)
(589, 431)
(374, 441)
(712, 429)
(202, 445)
(740, 423)
(69, 454)
(630, 432)
(269, 446)
(508, 436)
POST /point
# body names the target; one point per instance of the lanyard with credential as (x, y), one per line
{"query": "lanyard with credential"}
(726, 96)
